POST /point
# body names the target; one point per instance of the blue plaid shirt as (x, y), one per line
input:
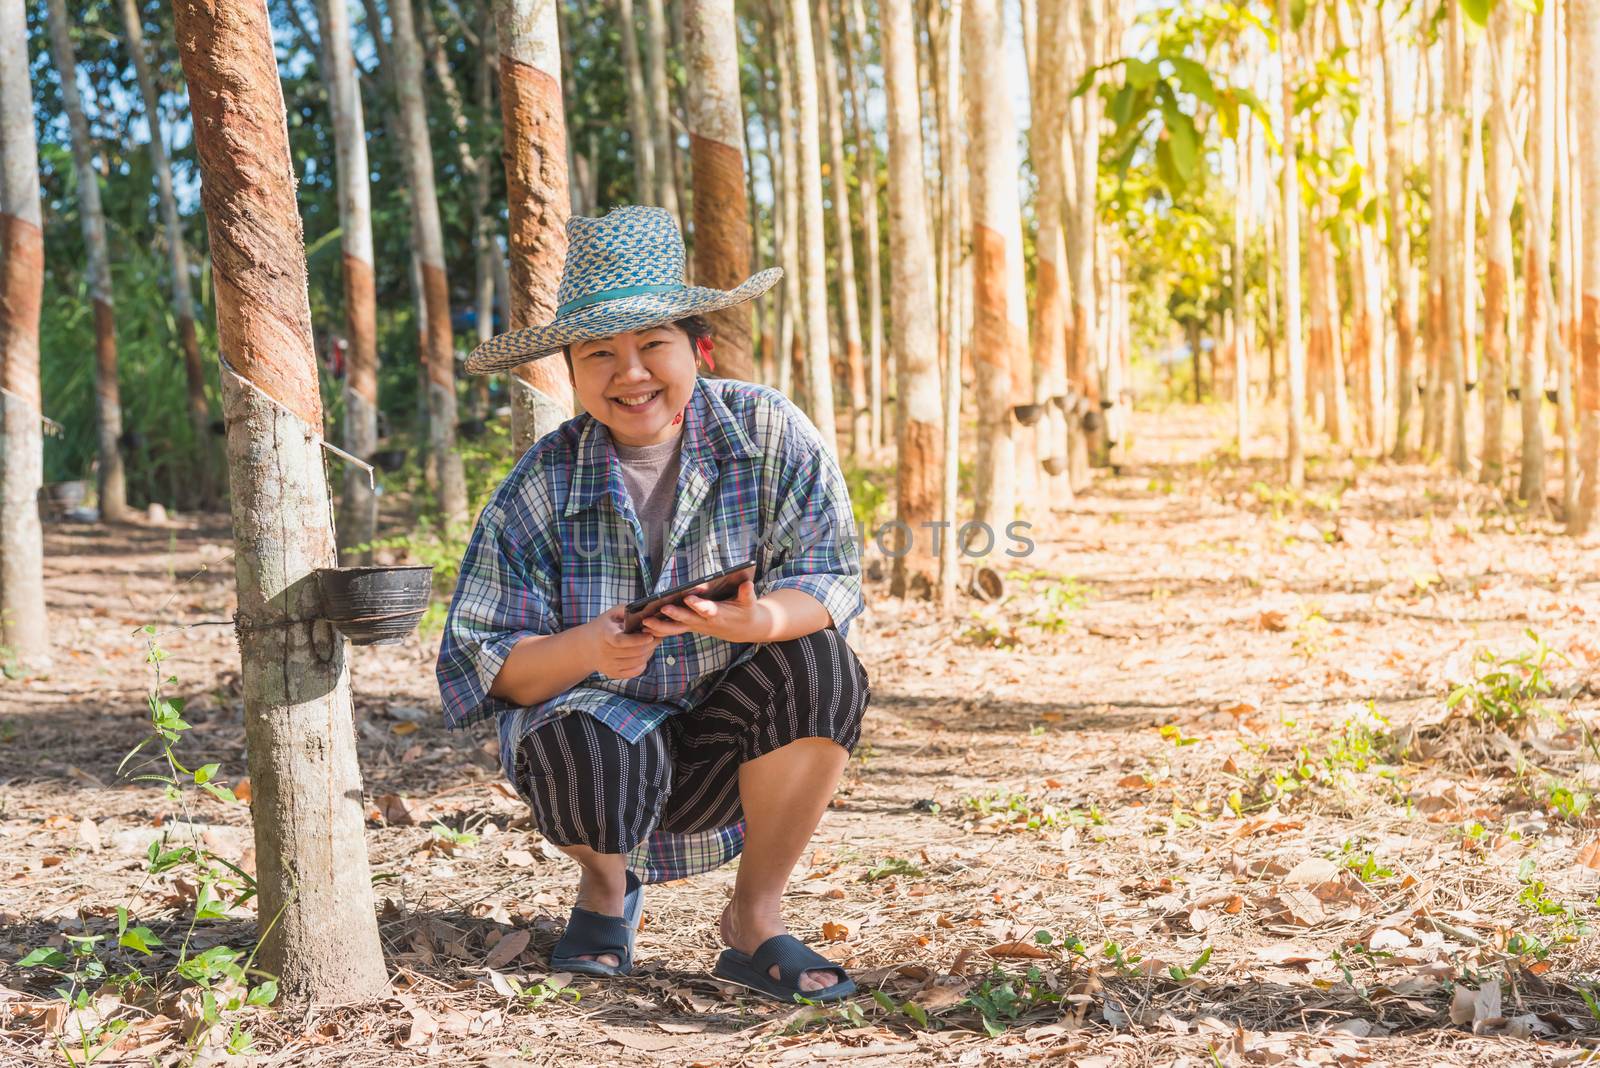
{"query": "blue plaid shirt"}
(559, 543)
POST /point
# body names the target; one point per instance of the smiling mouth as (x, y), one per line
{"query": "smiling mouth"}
(638, 400)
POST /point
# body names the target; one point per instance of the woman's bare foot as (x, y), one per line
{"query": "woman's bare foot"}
(746, 933)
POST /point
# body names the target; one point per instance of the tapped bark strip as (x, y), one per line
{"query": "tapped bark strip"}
(24, 624)
(538, 193)
(312, 877)
(722, 247)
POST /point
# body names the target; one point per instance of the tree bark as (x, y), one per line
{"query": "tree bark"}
(1398, 245)
(112, 479)
(867, 179)
(1438, 223)
(1497, 266)
(1585, 32)
(439, 358)
(952, 173)
(791, 338)
(1536, 236)
(1081, 235)
(320, 934)
(1048, 331)
(358, 516)
(844, 237)
(1566, 270)
(716, 152)
(655, 35)
(24, 624)
(178, 258)
(912, 340)
(1454, 251)
(639, 125)
(535, 157)
(1000, 325)
(1294, 454)
(814, 264)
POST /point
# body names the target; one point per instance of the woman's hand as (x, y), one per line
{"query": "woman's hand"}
(619, 655)
(742, 619)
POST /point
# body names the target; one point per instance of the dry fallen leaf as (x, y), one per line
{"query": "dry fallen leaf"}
(1019, 950)
(835, 932)
(508, 949)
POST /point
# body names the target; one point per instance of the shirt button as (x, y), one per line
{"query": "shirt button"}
(671, 660)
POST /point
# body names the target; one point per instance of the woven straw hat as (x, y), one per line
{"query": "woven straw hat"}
(623, 272)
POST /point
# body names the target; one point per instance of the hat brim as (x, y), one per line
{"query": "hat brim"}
(610, 318)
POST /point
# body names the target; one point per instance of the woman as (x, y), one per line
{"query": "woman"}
(722, 727)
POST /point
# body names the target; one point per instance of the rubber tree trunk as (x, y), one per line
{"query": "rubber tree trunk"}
(1398, 246)
(716, 153)
(439, 353)
(1585, 31)
(178, 258)
(1438, 220)
(536, 191)
(358, 514)
(912, 339)
(1294, 449)
(655, 35)
(1497, 265)
(112, 481)
(867, 180)
(1454, 249)
(1567, 198)
(765, 103)
(1241, 353)
(320, 933)
(813, 259)
(1081, 235)
(24, 626)
(952, 173)
(1536, 235)
(1000, 310)
(844, 237)
(791, 331)
(1048, 330)
(639, 125)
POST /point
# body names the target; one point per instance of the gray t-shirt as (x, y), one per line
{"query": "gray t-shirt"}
(651, 474)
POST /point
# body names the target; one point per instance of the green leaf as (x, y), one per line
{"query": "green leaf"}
(221, 793)
(1478, 10)
(1185, 142)
(44, 957)
(1194, 78)
(1142, 74)
(263, 994)
(205, 773)
(139, 939)
(1121, 109)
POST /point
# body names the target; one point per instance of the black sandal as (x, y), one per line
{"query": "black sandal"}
(593, 933)
(794, 958)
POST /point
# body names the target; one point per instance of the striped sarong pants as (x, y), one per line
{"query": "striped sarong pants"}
(589, 786)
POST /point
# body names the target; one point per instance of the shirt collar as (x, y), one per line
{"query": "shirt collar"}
(711, 433)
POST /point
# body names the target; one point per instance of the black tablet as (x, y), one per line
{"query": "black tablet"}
(719, 587)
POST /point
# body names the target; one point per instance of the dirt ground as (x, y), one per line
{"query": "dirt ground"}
(1189, 794)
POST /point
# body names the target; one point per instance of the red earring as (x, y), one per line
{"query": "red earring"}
(703, 346)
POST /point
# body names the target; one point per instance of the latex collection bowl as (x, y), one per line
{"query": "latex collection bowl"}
(375, 605)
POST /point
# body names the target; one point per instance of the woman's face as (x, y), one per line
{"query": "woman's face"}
(636, 382)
